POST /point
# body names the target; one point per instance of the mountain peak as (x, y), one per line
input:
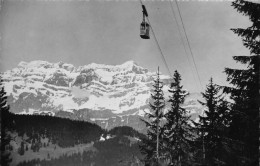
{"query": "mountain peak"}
(22, 64)
(128, 65)
(36, 63)
(130, 62)
(133, 66)
(94, 92)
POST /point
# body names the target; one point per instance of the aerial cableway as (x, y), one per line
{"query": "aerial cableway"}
(144, 33)
(146, 26)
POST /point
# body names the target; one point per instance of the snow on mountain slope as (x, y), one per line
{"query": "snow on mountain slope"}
(108, 91)
(118, 88)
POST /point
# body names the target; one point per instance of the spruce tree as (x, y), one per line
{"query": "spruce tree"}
(212, 126)
(244, 128)
(5, 127)
(26, 148)
(178, 135)
(152, 145)
(22, 149)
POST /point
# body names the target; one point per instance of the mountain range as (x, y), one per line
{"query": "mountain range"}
(109, 95)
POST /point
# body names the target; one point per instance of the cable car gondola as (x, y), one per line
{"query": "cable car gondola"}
(144, 27)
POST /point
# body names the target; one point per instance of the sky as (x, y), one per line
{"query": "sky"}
(81, 32)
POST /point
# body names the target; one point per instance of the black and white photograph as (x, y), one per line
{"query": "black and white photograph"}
(130, 82)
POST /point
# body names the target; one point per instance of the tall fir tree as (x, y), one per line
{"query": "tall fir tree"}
(5, 127)
(178, 135)
(212, 126)
(22, 149)
(152, 145)
(244, 128)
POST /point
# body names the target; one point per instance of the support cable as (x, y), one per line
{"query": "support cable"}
(203, 143)
(157, 43)
(159, 48)
(182, 41)
(193, 59)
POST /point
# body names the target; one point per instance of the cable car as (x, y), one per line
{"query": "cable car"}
(144, 30)
(144, 27)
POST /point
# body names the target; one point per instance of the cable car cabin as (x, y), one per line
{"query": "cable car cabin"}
(144, 30)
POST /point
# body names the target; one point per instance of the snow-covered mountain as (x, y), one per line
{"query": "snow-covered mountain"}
(105, 94)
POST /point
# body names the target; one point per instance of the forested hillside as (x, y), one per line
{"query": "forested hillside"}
(47, 140)
(117, 151)
(55, 129)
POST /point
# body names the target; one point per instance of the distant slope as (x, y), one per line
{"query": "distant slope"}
(48, 140)
(125, 131)
(63, 132)
(117, 151)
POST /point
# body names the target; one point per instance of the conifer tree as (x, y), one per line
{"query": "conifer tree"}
(177, 129)
(5, 137)
(244, 128)
(152, 145)
(22, 150)
(212, 125)
(26, 148)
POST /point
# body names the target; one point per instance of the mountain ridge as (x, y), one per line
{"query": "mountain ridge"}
(103, 91)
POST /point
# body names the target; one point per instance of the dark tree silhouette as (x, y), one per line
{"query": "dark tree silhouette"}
(212, 125)
(244, 128)
(177, 129)
(152, 145)
(22, 149)
(5, 124)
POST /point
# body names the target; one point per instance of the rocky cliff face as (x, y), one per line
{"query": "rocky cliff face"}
(107, 95)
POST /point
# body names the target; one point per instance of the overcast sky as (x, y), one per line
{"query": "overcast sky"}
(107, 32)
